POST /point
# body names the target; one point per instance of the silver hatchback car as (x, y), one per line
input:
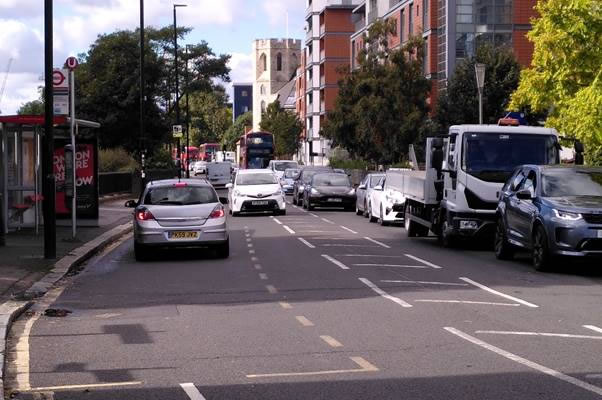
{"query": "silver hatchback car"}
(179, 213)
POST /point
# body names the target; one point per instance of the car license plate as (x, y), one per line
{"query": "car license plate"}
(183, 235)
(260, 203)
(335, 200)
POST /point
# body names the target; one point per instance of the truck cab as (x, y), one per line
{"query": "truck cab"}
(478, 159)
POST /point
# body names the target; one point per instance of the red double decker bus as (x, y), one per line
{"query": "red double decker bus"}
(193, 154)
(255, 150)
(207, 151)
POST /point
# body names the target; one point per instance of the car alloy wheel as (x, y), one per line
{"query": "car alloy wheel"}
(541, 257)
(503, 249)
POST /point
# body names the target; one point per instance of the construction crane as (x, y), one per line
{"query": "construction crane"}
(10, 61)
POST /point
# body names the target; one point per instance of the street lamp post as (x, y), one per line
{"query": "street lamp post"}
(142, 138)
(480, 72)
(187, 117)
(175, 41)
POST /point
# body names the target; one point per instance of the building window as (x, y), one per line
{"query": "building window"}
(262, 106)
(245, 109)
(262, 89)
(411, 20)
(401, 26)
(425, 15)
(263, 62)
(279, 62)
(244, 93)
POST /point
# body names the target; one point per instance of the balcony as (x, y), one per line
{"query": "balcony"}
(323, 81)
(393, 3)
(322, 29)
(322, 106)
(309, 34)
(359, 24)
(322, 55)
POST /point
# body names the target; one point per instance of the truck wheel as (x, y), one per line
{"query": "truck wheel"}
(503, 249)
(447, 239)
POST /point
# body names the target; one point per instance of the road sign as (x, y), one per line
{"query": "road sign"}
(177, 131)
(72, 63)
(60, 88)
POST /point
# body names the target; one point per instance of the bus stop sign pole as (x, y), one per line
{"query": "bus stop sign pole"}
(72, 64)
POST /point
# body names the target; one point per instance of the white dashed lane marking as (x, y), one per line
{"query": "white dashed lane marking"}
(192, 392)
(305, 242)
(335, 261)
(497, 293)
(304, 321)
(384, 294)
(377, 242)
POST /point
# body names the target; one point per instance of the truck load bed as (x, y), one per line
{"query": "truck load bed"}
(414, 184)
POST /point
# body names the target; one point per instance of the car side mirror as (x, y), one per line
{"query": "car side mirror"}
(229, 186)
(131, 204)
(223, 200)
(524, 194)
(362, 187)
(378, 188)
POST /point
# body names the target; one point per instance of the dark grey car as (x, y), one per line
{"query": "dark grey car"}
(303, 179)
(551, 211)
(329, 190)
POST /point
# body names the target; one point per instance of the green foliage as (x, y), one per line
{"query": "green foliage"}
(35, 107)
(335, 162)
(210, 117)
(236, 130)
(381, 107)
(565, 77)
(161, 159)
(459, 104)
(116, 160)
(286, 128)
(107, 84)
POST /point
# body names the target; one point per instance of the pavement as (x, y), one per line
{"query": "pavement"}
(22, 261)
(313, 305)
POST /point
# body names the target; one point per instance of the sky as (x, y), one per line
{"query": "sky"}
(229, 26)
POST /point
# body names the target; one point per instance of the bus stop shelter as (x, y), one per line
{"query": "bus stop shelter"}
(21, 168)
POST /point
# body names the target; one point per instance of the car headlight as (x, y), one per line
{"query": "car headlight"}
(278, 193)
(567, 215)
(351, 192)
(314, 191)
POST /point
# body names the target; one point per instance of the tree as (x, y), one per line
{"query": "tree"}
(459, 104)
(107, 84)
(236, 130)
(381, 107)
(565, 77)
(34, 107)
(286, 128)
(210, 117)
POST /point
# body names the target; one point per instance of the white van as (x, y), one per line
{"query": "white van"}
(219, 173)
(279, 166)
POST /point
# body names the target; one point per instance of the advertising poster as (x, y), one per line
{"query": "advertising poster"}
(87, 180)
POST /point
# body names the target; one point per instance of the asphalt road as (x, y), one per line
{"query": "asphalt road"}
(320, 305)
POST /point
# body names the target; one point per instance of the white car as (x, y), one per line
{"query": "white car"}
(279, 166)
(386, 203)
(256, 190)
(363, 192)
(199, 167)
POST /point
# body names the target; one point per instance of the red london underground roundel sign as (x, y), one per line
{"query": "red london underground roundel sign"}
(72, 63)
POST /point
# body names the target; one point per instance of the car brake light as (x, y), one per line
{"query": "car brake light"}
(218, 212)
(508, 122)
(144, 215)
(181, 184)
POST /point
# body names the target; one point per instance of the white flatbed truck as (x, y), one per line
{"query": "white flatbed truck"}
(457, 193)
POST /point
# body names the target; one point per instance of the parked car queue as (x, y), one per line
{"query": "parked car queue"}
(547, 211)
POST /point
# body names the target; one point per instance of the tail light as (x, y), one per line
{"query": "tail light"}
(218, 212)
(144, 215)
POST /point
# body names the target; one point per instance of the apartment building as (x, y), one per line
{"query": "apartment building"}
(329, 27)
(452, 29)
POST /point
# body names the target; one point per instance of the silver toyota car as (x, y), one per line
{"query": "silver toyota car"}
(179, 213)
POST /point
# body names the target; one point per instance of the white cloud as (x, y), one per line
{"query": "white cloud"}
(276, 12)
(241, 65)
(20, 88)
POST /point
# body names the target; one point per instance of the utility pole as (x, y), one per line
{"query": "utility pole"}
(175, 42)
(48, 182)
(142, 136)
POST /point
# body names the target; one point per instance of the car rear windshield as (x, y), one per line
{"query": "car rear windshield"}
(291, 173)
(331, 180)
(281, 166)
(180, 196)
(571, 183)
(255, 179)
